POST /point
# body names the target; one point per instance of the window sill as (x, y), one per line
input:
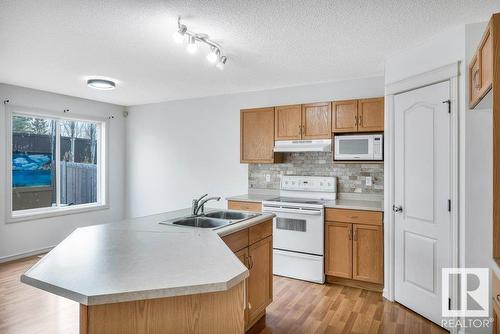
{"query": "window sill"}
(35, 214)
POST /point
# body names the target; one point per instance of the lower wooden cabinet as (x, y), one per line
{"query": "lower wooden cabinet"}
(254, 248)
(496, 313)
(367, 253)
(260, 283)
(354, 250)
(338, 249)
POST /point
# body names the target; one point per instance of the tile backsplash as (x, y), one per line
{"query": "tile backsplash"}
(351, 176)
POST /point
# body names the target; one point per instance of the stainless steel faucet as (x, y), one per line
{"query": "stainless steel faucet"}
(199, 204)
(194, 206)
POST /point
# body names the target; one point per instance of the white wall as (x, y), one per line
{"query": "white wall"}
(479, 170)
(442, 49)
(178, 150)
(24, 237)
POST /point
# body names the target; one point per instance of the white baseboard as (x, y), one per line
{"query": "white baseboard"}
(26, 254)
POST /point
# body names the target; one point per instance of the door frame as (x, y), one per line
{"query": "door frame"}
(449, 73)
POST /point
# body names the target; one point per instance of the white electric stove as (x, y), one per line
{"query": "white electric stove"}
(298, 228)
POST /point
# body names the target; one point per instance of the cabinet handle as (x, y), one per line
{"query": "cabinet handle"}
(246, 261)
(498, 298)
(251, 262)
(249, 306)
(349, 233)
(354, 217)
(360, 118)
(355, 120)
(300, 129)
(476, 79)
(355, 237)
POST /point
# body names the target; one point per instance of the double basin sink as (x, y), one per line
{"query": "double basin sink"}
(212, 220)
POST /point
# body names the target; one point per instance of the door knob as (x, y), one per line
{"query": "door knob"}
(397, 208)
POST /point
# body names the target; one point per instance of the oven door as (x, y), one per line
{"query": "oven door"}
(298, 230)
(354, 147)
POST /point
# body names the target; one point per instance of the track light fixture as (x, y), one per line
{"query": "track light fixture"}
(213, 56)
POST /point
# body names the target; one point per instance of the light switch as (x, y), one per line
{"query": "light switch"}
(268, 178)
(369, 181)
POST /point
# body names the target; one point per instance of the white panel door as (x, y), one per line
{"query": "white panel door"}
(422, 190)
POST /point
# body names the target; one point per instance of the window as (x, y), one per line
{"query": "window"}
(57, 164)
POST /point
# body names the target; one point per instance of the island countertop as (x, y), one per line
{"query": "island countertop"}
(138, 259)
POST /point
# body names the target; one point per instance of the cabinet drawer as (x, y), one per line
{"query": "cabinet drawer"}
(244, 206)
(260, 231)
(237, 241)
(354, 216)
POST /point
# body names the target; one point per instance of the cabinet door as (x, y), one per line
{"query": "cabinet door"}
(481, 69)
(344, 116)
(288, 122)
(242, 255)
(338, 260)
(367, 253)
(260, 282)
(316, 121)
(257, 135)
(371, 115)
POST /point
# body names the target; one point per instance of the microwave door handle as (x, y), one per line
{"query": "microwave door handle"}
(301, 212)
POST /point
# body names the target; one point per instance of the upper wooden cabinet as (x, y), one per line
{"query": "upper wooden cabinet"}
(288, 122)
(481, 68)
(316, 121)
(344, 116)
(365, 115)
(303, 121)
(371, 114)
(257, 136)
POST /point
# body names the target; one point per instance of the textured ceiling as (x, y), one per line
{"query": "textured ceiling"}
(54, 45)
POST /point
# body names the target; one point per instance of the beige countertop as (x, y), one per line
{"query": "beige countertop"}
(341, 203)
(139, 259)
(252, 197)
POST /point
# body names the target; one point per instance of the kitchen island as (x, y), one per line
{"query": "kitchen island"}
(138, 276)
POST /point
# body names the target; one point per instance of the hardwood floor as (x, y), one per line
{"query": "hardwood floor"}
(298, 307)
(301, 307)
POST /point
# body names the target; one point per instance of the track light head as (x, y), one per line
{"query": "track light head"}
(213, 55)
(222, 62)
(191, 46)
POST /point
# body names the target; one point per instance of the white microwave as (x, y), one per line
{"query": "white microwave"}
(359, 147)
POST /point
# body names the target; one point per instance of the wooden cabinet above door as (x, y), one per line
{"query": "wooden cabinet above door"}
(481, 67)
(288, 122)
(316, 121)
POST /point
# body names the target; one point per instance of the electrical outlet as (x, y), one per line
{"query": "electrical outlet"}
(369, 182)
(268, 178)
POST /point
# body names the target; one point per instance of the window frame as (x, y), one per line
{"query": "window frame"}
(102, 159)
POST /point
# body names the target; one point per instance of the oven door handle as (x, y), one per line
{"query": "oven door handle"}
(300, 212)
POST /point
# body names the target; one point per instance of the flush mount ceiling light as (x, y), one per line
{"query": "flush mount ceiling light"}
(214, 56)
(101, 84)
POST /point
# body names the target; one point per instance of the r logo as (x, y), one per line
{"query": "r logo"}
(473, 287)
